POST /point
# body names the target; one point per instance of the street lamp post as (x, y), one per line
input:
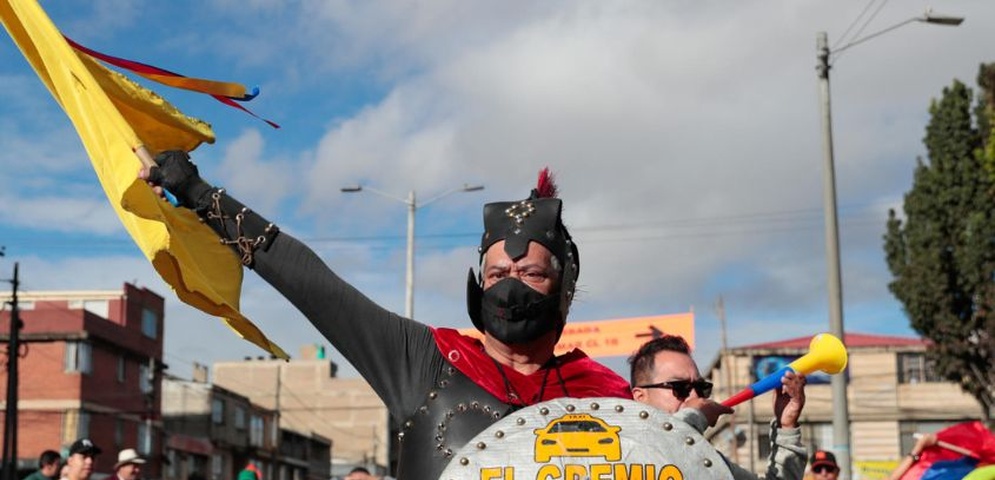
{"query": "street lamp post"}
(9, 469)
(413, 205)
(841, 421)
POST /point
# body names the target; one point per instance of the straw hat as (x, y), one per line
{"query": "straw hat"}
(126, 456)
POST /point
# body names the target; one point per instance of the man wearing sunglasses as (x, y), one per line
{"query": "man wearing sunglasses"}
(664, 375)
(824, 465)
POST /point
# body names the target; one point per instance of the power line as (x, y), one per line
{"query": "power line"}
(756, 219)
(842, 38)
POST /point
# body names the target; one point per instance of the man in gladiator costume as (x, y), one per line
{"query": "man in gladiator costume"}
(442, 388)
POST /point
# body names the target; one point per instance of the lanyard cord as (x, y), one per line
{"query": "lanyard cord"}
(516, 399)
(559, 375)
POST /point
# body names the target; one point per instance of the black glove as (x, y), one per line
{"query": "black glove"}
(177, 174)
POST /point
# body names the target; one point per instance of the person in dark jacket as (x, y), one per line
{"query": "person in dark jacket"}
(49, 463)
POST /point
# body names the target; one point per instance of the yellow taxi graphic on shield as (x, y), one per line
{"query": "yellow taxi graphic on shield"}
(578, 435)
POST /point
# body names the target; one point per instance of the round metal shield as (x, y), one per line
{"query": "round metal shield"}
(590, 438)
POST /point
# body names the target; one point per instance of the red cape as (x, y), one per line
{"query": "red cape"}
(583, 377)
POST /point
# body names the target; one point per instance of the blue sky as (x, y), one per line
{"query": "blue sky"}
(685, 137)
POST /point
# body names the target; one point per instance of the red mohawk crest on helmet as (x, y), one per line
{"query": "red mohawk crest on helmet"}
(545, 186)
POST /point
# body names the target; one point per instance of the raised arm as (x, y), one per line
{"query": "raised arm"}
(396, 355)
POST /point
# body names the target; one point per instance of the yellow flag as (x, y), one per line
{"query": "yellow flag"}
(115, 118)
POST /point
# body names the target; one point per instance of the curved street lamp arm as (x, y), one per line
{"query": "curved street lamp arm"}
(875, 34)
(366, 188)
(465, 188)
(928, 17)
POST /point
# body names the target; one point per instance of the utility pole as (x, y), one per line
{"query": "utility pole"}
(841, 409)
(10, 416)
(726, 365)
(409, 272)
(276, 403)
(824, 58)
(372, 465)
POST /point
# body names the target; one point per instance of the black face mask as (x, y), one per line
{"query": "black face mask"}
(513, 312)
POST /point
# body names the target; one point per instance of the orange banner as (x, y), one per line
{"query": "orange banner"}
(608, 338)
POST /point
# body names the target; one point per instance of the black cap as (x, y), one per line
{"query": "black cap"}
(84, 446)
(822, 457)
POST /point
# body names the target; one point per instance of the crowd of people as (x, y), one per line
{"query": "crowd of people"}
(78, 464)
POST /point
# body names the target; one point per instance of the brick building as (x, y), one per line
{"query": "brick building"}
(90, 366)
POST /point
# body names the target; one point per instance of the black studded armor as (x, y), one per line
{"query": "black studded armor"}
(454, 412)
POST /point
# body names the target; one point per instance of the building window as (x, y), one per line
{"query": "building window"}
(150, 323)
(78, 358)
(916, 368)
(217, 466)
(118, 432)
(217, 411)
(239, 417)
(144, 438)
(120, 369)
(256, 431)
(144, 378)
(171, 467)
(198, 464)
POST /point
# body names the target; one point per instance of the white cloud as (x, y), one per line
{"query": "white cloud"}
(60, 214)
(248, 170)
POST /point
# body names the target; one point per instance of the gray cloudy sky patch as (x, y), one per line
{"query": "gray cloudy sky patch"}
(685, 136)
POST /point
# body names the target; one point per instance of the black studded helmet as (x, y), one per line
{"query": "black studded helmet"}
(535, 219)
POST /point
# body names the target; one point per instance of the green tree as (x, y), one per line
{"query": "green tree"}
(942, 255)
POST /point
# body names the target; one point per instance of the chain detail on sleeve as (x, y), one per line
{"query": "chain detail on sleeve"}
(244, 245)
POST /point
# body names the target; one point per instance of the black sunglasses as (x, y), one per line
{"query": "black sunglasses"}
(823, 468)
(682, 388)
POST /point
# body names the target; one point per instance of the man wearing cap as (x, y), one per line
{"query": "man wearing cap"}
(79, 464)
(129, 465)
(824, 465)
(441, 387)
